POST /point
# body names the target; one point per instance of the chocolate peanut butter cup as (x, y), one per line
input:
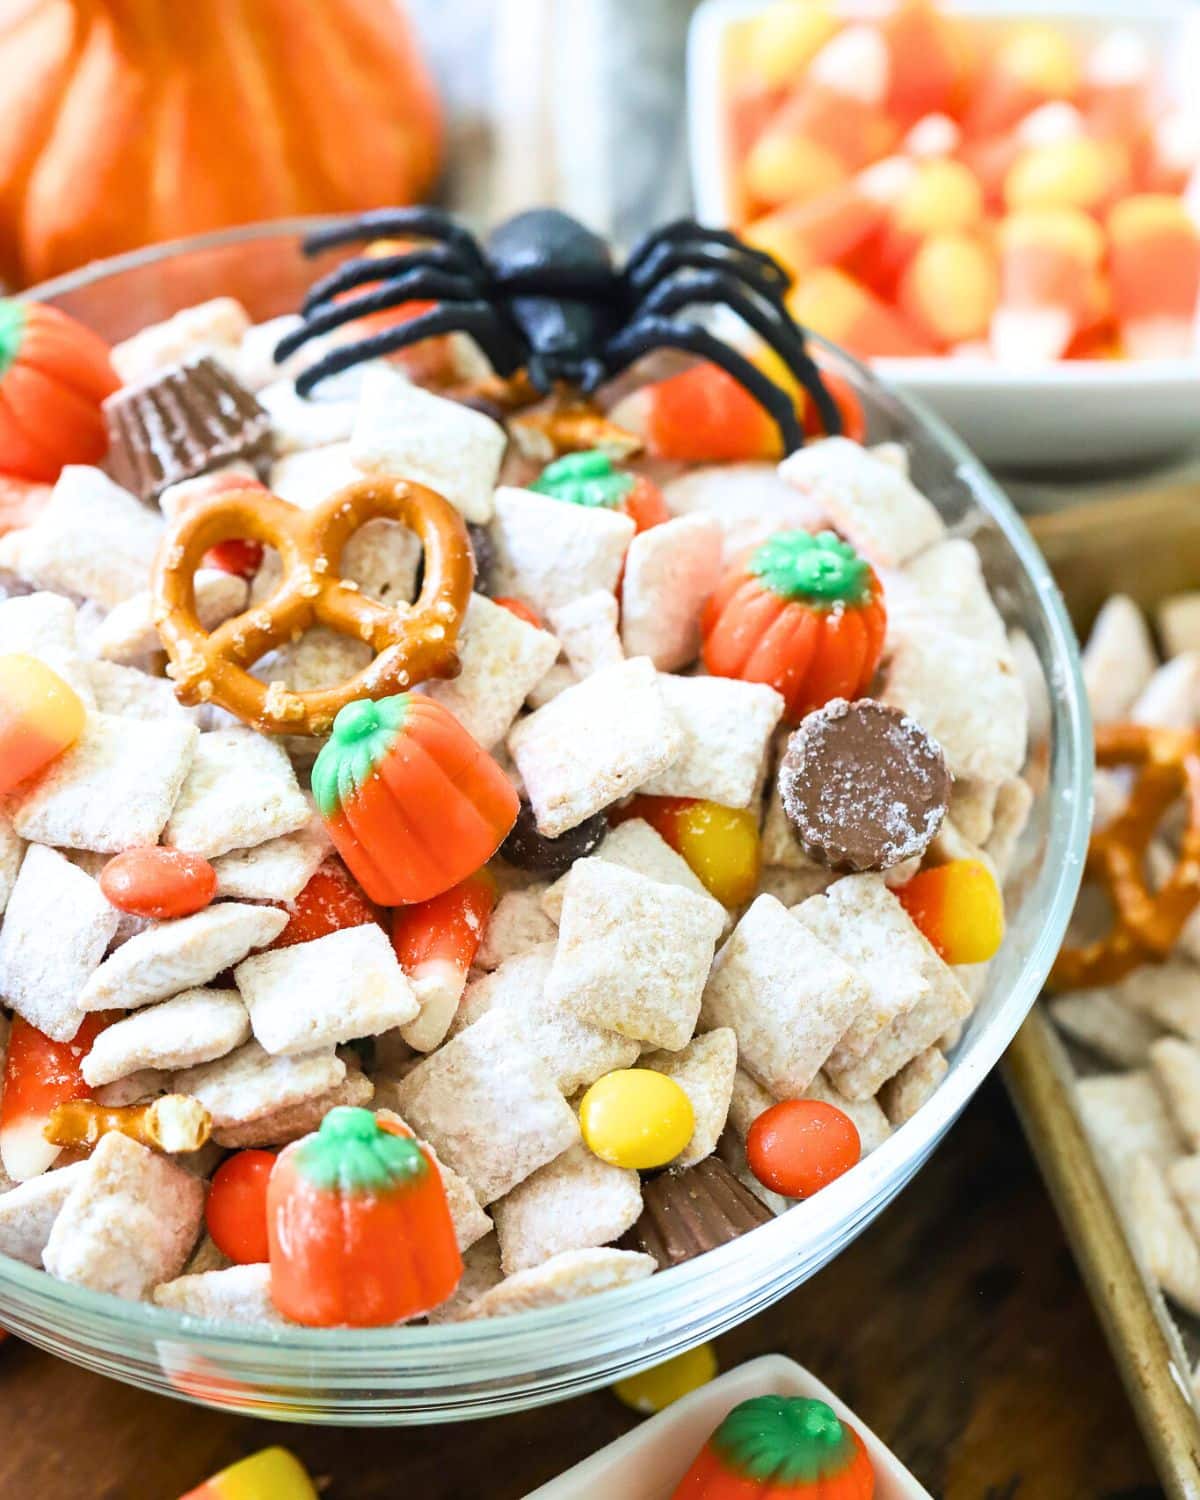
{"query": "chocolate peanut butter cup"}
(686, 1213)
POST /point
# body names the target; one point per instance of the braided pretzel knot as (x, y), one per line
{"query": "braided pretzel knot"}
(1146, 924)
(412, 643)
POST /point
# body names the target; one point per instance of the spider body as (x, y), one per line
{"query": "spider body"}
(545, 295)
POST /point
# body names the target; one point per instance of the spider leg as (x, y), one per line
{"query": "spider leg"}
(688, 232)
(385, 223)
(769, 283)
(652, 331)
(367, 268)
(764, 317)
(478, 318)
(436, 286)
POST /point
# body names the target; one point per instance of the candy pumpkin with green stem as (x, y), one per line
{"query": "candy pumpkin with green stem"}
(592, 479)
(802, 613)
(780, 1448)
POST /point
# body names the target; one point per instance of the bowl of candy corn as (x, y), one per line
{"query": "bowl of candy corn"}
(313, 1115)
(993, 202)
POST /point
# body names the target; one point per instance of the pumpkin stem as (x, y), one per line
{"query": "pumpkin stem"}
(587, 478)
(12, 331)
(821, 568)
(350, 1151)
(788, 1439)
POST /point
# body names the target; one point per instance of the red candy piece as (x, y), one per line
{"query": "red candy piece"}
(40, 1073)
(330, 901)
(436, 942)
(236, 1208)
(799, 1146)
(159, 883)
(522, 611)
(239, 555)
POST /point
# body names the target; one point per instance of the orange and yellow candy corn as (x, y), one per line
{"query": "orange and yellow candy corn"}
(784, 38)
(39, 1074)
(436, 942)
(959, 908)
(720, 844)
(950, 288)
(1074, 173)
(702, 415)
(1154, 250)
(818, 230)
(1049, 259)
(938, 197)
(929, 60)
(40, 717)
(270, 1474)
(1034, 63)
(832, 303)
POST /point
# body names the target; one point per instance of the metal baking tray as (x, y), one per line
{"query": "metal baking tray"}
(1147, 546)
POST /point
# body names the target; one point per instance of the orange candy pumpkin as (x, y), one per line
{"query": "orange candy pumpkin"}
(54, 374)
(413, 805)
(804, 614)
(133, 121)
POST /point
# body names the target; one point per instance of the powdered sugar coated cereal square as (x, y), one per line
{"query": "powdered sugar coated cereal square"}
(704, 1070)
(518, 924)
(128, 632)
(640, 848)
(131, 694)
(727, 728)
(277, 870)
(549, 552)
(240, 790)
(563, 1278)
(587, 631)
(215, 327)
(250, 1083)
(575, 1202)
(670, 570)
(44, 625)
(194, 1027)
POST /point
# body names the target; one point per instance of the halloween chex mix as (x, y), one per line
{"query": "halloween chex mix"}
(447, 872)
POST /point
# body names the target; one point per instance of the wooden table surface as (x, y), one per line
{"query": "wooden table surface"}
(956, 1325)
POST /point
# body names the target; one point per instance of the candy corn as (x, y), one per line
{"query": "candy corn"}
(1073, 173)
(932, 136)
(270, 1474)
(40, 717)
(832, 303)
(950, 288)
(1116, 83)
(1048, 262)
(436, 942)
(959, 908)
(331, 900)
(719, 843)
(1032, 64)
(702, 415)
(927, 58)
(939, 197)
(38, 1075)
(1155, 259)
(818, 230)
(784, 38)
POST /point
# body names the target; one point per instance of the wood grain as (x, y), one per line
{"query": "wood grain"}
(957, 1326)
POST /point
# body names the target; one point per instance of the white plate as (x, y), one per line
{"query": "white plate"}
(647, 1463)
(1078, 414)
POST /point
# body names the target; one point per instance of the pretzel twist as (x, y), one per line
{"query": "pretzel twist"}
(412, 643)
(1146, 923)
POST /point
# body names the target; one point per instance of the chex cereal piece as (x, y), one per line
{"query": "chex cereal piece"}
(518, 924)
(633, 954)
(12, 851)
(727, 728)
(382, 557)
(291, 1122)
(557, 680)
(114, 788)
(864, 924)
(1126, 1117)
(346, 984)
(574, 1052)
(748, 501)
(732, 1150)
(92, 540)
(131, 694)
(471, 1224)
(192, 1028)
(489, 1105)
(1161, 1232)
(786, 995)
(28, 1212)
(670, 570)
(917, 1081)
(873, 505)
(596, 743)
(240, 790)
(549, 552)
(1183, 1178)
(967, 696)
(1118, 661)
(254, 359)
(747, 1100)
(128, 633)
(135, 1088)
(563, 1278)
(305, 479)
(587, 631)
(945, 585)
(1178, 621)
(175, 499)
(1171, 699)
(637, 847)
(1176, 1069)
(1169, 993)
(277, 870)
(869, 1119)
(216, 327)
(250, 1084)
(972, 808)
(54, 934)
(575, 1202)
(129, 1221)
(171, 957)
(300, 423)
(502, 658)
(1111, 1031)
(481, 1272)
(44, 625)
(704, 1070)
(780, 847)
(791, 887)
(320, 658)
(1014, 803)
(404, 430)
(236, 1294)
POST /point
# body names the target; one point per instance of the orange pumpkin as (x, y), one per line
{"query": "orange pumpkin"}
(130, 121)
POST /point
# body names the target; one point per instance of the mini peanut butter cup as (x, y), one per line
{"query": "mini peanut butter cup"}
(686, 1213)
(183, 422)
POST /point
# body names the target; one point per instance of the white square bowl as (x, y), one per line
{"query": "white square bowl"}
(647, 1463)
(1072, 415)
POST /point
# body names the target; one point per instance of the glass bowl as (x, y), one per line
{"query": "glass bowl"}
(419, 1374)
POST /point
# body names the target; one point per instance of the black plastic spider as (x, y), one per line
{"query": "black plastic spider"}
(544, 295)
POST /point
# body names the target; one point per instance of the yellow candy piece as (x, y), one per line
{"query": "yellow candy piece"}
(722, 847)
(783, 39)
(960, 909)
(654, 1389)
(272, 1474)
(1076, 173)
(40, 717)
(636, 1118)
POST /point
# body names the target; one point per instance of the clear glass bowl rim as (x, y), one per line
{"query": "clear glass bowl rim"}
(758, 1263)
